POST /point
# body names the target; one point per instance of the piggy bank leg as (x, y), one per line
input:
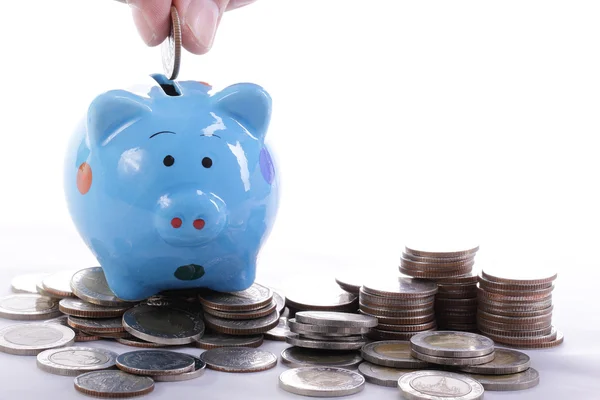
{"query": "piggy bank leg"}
(125, 285)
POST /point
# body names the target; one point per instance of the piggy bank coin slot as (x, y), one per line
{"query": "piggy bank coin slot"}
(167, 85)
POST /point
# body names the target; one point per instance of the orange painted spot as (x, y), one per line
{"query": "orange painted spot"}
(204, 83)
(84, 178)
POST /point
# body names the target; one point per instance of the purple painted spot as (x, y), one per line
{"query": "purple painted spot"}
(266, 166)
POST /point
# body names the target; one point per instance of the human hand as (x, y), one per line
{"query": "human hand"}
(199, 20)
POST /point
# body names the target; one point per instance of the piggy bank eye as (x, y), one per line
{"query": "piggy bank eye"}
(206, 162)
(168, 161)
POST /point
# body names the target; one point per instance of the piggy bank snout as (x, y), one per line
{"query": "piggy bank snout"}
(189, 217)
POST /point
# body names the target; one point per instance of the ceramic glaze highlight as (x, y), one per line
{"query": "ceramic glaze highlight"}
(174, 187)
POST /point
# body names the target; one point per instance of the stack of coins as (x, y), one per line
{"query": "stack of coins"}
(517, 311)
(452, 348)
(329, 330)
(403, 307)
(456, 298)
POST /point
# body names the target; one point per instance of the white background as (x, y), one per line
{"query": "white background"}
(391, 119)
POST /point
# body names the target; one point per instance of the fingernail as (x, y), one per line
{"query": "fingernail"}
(202, 17)
(145, 29)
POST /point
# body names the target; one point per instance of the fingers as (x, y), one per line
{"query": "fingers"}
(199, 22)
(152, 19)
(233, 4)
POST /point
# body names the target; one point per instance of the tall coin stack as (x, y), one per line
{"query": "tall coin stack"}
(403, 307)
(517, 311)
(456, 298)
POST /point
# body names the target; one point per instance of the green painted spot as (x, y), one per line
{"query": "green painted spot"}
(189, 272)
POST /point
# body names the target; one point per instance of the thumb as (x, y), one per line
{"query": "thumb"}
(199, 22)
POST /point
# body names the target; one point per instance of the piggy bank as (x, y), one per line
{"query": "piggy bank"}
(172, 186)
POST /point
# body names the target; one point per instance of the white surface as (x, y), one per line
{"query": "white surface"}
(389, 120)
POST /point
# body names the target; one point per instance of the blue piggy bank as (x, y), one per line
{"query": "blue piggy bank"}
(174, 187)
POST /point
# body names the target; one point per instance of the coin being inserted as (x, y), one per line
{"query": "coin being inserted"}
(171, 47)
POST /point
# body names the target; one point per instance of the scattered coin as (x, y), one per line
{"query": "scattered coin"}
(392, 353)
(171, 47)
(90, 285)
(518, 381)
(434, 385)
(302, 357)
(199, 367)
(239, 359)
(71, 361)
(27, 283)
(28, 307)
(215, 340)
(255, 297)
(58, 284)
(321, 381)
(96, 325)
(280, 332)
(113, 384)
(380, 375)
(155, 362)
(296, 340)
(242, 327)
(80, 308)
(32, 338)
(454, 361)
(506, 361)
(452, 344)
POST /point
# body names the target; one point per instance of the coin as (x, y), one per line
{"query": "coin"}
(32, 338)
(391, 353)
(62, 320)
(542, 345)
(408, 328)
(135, 342)
(28, 307)
(215, 340)
(321, 381)
(251, 314)
(454, 361)
(401, 288)
(90, 284)
(199, 367)
(380, 375)
(41, 291)
(452, 344)
(105, 325)
(314, 336)
(441, 250)
(327, 298)
(524, 341)
(373, 300)
(155, 362)
(469, 278)
(303, 357)
(242, 327)
(518, 381)
(518, 276)
(71, 361)
(491, 285)
(500, 319)
(171, 47)
(280, 332)
(255, 297)
(238, 359)
(26, 283)
(335, 319)
(296, 340)
(297, 327)
(165, 325)
(80, 308)
(514, 312)
(506, 361)
(433, 385)
(85, 337)
(113, 384)
(59, 283)
(279, 299)
(425, 259)
(351, 281)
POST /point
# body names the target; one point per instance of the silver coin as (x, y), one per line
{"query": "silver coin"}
(171, 47)
(90, 285)
(435, 385)
(43, 292)
(238, 359)
(199, 368)
(80, 308)
(33, 338)
(71, 361)
(392, 353)
(104, 325)
(255, 297)
(155, 362)
(58, 284)
(519, 381)
(113, 383)
(329, 298)
(214, 340)
(336, 319)
(28, 307)
(321, 381)
(380, 375)
(279, 298)
(296, 340)
(165, 325)
(27, 283)
(301, 357)
(135, 342)
(401, 287)
(454, 361)
(62, 320)
(452, 344)
(297, 327)
(280, 332)
(242, 327)
(350, 338)
(251, 314)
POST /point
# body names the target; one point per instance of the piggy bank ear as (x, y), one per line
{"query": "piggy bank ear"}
(113, 111)
(247, 103)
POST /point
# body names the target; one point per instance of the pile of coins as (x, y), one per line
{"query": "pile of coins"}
(517, 312)
(403, 307)
(329, 330)
(456, 298)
